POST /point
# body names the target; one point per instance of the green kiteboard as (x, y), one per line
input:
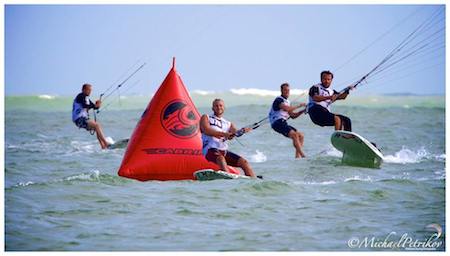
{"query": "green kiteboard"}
(356, 150)
(209, 174)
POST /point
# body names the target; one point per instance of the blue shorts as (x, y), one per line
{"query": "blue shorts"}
(281, 126)
(82, 123)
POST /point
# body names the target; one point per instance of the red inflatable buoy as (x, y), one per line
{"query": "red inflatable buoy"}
(166, 143)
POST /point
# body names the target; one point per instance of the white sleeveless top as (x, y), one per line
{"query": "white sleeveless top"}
(217, 124)
(322, 92)
(274, 115)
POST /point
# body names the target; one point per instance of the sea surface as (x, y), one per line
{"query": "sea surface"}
(62, 192)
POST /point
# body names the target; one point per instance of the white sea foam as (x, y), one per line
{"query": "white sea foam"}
(407, 156)
(440, 175)
(440, 157)
(46, 97)
(327, 182)
(84, 146)
(11, 146)
(32, 145)
(42, 136)
(95, 174)
(24, 184)
(258, 157)
(264, 93)
(357, 178)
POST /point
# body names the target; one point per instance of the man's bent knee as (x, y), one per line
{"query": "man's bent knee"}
(337, 119)
(293, 134)
(242, 162)
(220, 159)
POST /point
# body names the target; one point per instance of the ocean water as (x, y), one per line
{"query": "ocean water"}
(62, 192)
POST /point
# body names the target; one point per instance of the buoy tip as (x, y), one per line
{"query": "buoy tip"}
(173, 62)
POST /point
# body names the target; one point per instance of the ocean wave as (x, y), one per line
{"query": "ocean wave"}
(92, 176)
(32, 146)
(440, 174)
(264, 188)
(357, 178)
(24, 184)
(84, 146)
(263, 92)
(46, 97)
(327, 182)
(45, 145)
(440, 157)
(95, 176)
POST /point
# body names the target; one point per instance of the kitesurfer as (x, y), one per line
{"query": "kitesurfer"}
(216, 130)
(280, 112)
(80, 114)
(321, 96)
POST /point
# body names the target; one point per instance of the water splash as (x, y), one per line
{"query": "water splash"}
(258, 157)
(407, 156)
(333, 152)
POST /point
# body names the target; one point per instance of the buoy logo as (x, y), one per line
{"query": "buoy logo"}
(179, 119)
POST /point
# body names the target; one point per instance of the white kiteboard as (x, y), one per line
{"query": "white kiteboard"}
(356, 150)
(209, 174)
(119, 144)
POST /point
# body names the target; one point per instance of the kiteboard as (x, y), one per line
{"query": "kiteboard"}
(356, 150)
(119, 144)
(209, 174)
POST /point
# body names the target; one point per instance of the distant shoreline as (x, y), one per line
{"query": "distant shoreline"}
(46, 102)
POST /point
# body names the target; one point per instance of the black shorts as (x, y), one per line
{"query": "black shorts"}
(82, 123)
(281, 126)
(230, 157)
(321, 116)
